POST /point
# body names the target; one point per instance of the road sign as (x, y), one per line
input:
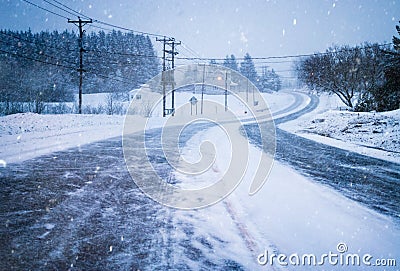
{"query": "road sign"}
(193, 100)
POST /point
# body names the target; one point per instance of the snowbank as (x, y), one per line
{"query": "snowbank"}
(18, 124)
(377, 130)
(28, 135)
(372, 134)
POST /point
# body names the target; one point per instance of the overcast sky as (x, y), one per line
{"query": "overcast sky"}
(216, 28)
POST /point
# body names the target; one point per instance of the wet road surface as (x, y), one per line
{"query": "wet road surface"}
(80, 210)
(372, 182)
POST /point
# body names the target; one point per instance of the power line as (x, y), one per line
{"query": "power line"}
(33, 42)
(54, 5)
(190, 50)
(118, 64)
(66, 61)
(112, 25)
(37, 60)
(41, 54)
(280, 57)
(273, 62)
(112, 78)
(122, 28)
(42, 8)
(72, 11)
(257, 60)
(128, 29)
(67, 67)
(89, 50)
(95, 73)
(102, 28)
(121, 53)
(277, 70)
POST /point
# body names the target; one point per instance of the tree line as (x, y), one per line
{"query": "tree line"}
(36, 68)
(364, 77)
(267, 81)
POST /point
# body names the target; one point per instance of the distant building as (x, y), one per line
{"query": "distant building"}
(135, 93)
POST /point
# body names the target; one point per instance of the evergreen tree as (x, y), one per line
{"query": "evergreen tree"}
(385, 96)
(42, 67)
(396, 40)
(248, 69)
(276, 81)
(230, 62)
(269, 81)
(388, 96)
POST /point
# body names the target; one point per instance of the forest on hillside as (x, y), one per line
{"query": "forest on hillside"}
(36, 68)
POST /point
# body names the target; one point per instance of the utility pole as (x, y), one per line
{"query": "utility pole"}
(202, 89)
(80, 23)
(173, 53)
(171, 42)
(226, 91)
(164, 40)
(247, 90)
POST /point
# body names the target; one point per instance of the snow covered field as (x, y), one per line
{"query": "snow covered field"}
(28, 135)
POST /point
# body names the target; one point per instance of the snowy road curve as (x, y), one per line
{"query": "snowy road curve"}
(368, 180)
(80, 210)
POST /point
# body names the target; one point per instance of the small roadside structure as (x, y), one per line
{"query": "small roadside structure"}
(134, 94)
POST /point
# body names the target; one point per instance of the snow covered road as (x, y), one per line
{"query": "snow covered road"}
(79, 209)
(371, 181)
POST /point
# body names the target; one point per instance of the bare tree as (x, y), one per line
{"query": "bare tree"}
(348, 72)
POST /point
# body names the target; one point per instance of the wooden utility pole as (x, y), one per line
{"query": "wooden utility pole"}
(171, 42)
(80, 23)
(173, 53)
(164, 40)
(202, 89)
(226, 90)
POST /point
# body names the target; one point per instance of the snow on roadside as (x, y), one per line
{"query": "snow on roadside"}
(372, 134)
(28, 135)
(18, 124)
(378, 130)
